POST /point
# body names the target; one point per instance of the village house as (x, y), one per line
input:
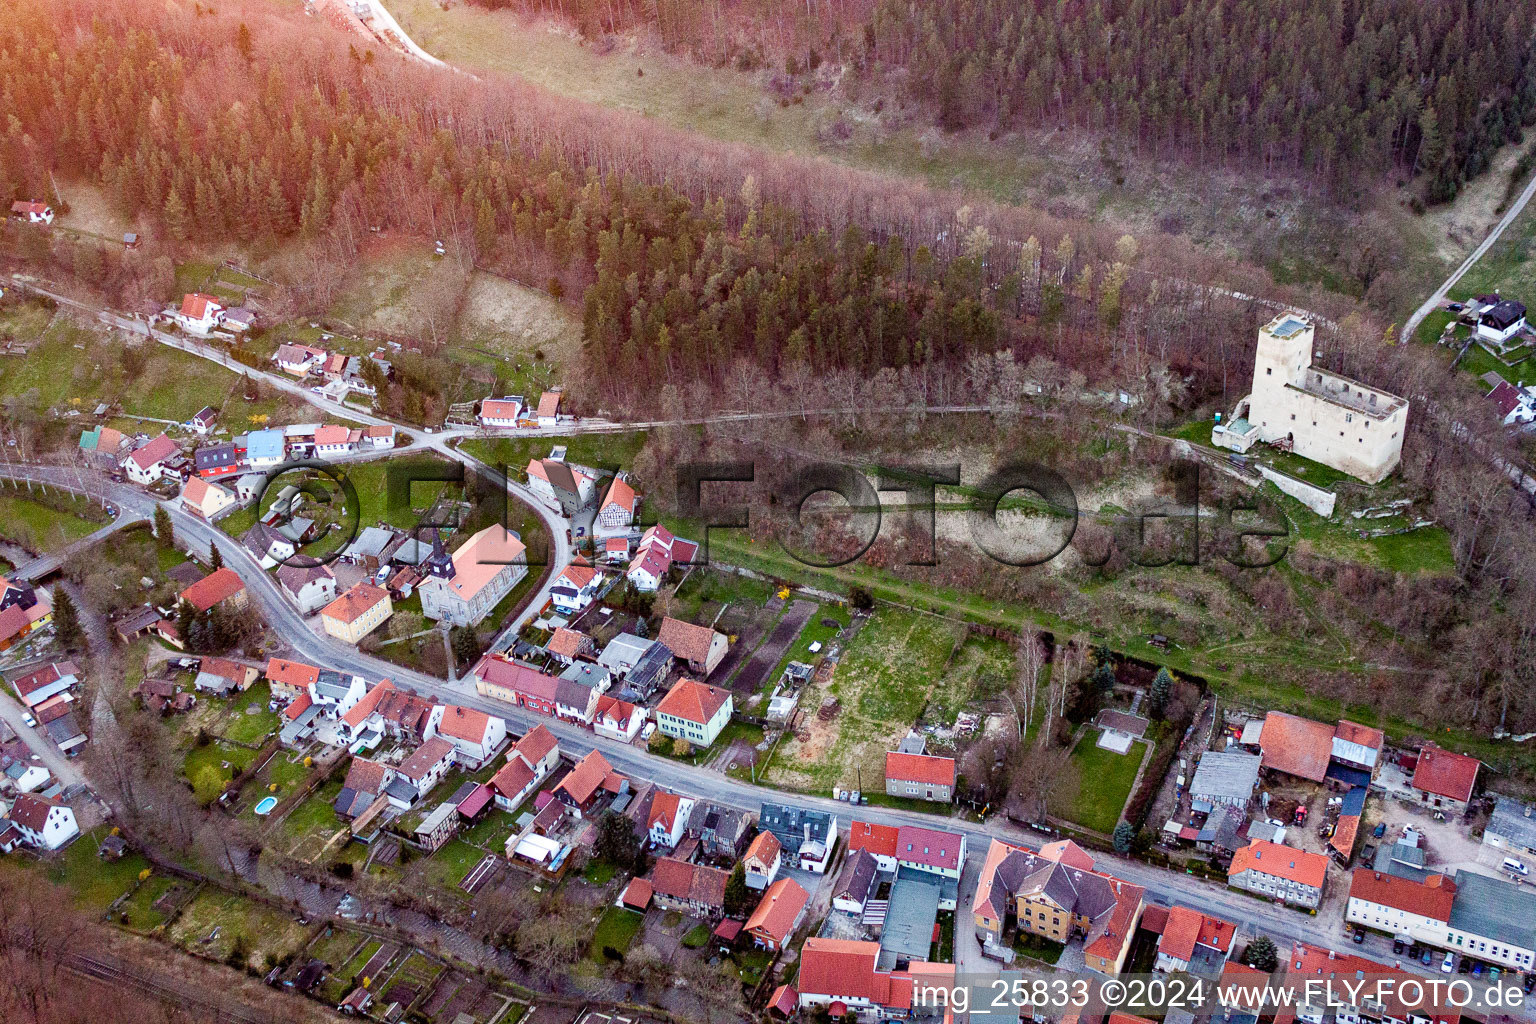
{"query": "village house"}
(499, 676)
(1511, 829)
(1515, 405)
(102, 447)
(363, 794)
(357, 612)
(844, 976)
(694, 712)
(1318, 414)
(428, 764)
(222, 676)
(566, 645)
(24, 609)
(33, 211)
(484, 569)
(378, 435)
(778, 914)
(199, 314)
(1492, 919)
(640, 663)
(438, 827)
(693, 889)
(500, 412)
(807, 836)
(920, 776)
(698, 647)
(299, 360)
(1193, 942)
(616, 510)
(563, 487)
(617, 719)
(763, 859)
(855, 882)
(1224, 778)
(333, 440)
(585, 783)
(549, 408)
(149, 463)
(205, 500)
(221, 588)
(204, 420)
(529, 763)
(667, 822)
(721, 831)
(1444, 779)
(475, 735)
(654, 556)
(576, 587)
(40, 685)
(45, 824)
(878, 840)
(1279, 872)
(265, 449)
(312, 587)
(1411, 910)
(288, 679)
(933, 852)
(1500, 320)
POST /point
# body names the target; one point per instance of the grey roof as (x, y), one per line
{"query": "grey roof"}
(1225, 775)
(585, 673)
(336, 689)
(789, 824)
(371, 542)
(1515, 821)
(430, 823)
(728, 824)
(401, 789)
(908, 930)
(64, 729)
(622, 652)
(1494, 909)
(413, 551)
(1401, 860)
(857, 876)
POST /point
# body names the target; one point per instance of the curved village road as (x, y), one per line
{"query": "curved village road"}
(1163, 886)
(1467, 264)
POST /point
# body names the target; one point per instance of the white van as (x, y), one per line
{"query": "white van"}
(1516, 867)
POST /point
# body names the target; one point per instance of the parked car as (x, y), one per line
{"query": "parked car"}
(1530, 982)
(1477, 970)
(1359, 935)
(1397, 946)
(1427, 958)
(1381, 830)
(1448, 964)
(1464, 967)
(1516, 867)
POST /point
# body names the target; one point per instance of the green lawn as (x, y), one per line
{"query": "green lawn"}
(599, 451)
(598, 872)
(209, 768)
(215, 923)
(697, 936)
(615, 930)
(142, 914)
(1095, 784)
(237, 726)
(315, 814)
(453, 861)
(95, 882)
(39, 527)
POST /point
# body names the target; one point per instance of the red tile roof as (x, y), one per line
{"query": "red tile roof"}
(664, 808)
(1313, 961)
(765, 848)
(291, 673)
(464, 723)
(1067, 853)
(693, 701)
(693, 882)
(536, 744)
(31, 811)
(355, 602)
(637, 893)
(45, 676)
(512, 778)
(297, 707)
(567, 642)
(549, 403)
(1365, 735)
(1297, 866)
(583, 780)
(778, 911)
(1188, 928)
(846, 967)
(686, 640)
(217, 586)
(195, 305)
(620, 494)
(1431, 898)
(879, 840)
(1344, 834)
(1446, 773)
(1296, 746)
(158, 450)
(929, 846)
(921, 768)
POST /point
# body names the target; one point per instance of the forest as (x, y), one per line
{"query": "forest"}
(1328, 89)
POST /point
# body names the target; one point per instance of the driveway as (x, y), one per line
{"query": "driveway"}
(63, 769)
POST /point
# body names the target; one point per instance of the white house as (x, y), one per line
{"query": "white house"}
(148, 464)
(576, 587)
(1417, 911)
(311, 586)
(206, 500)
(654, 556)
(762, 860)
(529, 763)
(617, 509)
(1500, 319)
(476, 735)
(333, 439)
(668, 819)
(379, 435)
(34, 212)
(694, 712)
(501, 412)
(617, 719)
(549, 408)
(45, 824)
(428, 764)
(199, 314)
(1515, 405)
(299, 360)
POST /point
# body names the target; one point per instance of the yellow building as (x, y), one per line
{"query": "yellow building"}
(356, 613)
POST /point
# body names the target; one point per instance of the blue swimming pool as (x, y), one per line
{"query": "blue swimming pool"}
(266, 805)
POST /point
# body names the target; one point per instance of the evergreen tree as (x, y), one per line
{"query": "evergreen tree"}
(215, 557)
(466, 645)
(1262, 955)
(177, 219)
(186, 619)
(66, 620)
(617, 843)
(165, 534)
(1162, 691)
(738, 898)
(1124, 836)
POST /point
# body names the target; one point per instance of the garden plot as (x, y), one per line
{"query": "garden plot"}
(227, 927)
(891, 671)
(767, 657)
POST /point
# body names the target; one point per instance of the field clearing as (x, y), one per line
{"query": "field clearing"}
(1095, 783)
(599, 451)
(384, 296)
(38, 527)
(883, 684)
(527, 332)
(220, 925)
